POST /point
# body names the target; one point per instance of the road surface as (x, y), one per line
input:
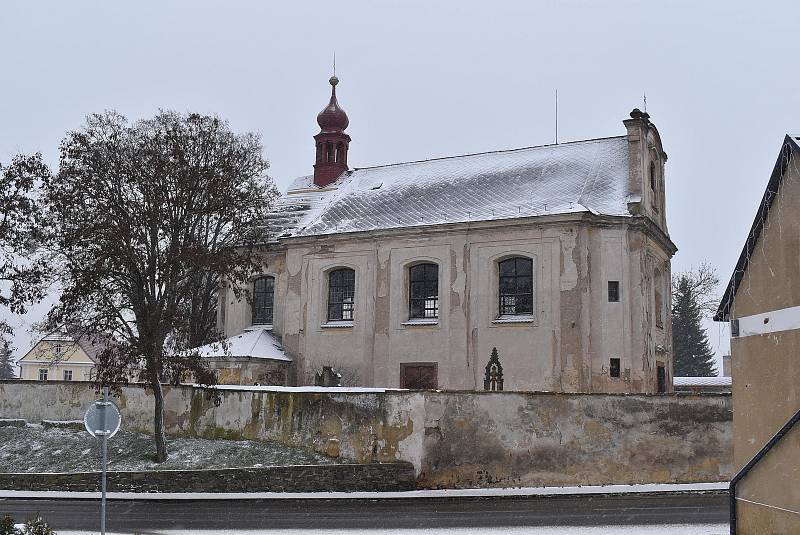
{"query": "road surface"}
(428, 513)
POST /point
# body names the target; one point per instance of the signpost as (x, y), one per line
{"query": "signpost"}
(102, 420)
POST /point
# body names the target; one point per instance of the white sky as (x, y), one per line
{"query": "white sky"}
(422, 79)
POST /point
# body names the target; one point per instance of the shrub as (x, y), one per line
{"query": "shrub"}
(37, 526)
(7, 526)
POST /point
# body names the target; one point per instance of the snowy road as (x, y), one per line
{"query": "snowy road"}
(704, 514)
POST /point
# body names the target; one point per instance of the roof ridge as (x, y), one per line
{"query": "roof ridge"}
(498, 151)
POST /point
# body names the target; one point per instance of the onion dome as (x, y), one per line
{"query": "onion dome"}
(333, 118)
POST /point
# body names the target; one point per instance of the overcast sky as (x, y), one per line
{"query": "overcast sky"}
(424, 79)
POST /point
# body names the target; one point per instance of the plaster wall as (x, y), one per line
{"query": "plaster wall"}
(566, 345)
(766, 369)
(453, 439)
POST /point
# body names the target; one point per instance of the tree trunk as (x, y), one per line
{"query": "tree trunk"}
(158, 423)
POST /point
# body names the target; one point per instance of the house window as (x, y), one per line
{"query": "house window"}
(423, 291)
(614, 367)
(43, 374)
(659, 299)
(341, 294)
(68, 375)
(263, 300)
(613, 291)
(516, 286)
(57, 349)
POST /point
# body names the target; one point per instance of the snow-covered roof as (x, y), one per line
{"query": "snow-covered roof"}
(701, 381)
(581, 176)
(254, 342)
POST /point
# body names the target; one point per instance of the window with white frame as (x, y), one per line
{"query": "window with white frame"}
(68, 375)
(43, 374)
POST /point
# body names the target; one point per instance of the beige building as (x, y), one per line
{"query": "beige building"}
(59, 357)
(408, 275)
(762, 302)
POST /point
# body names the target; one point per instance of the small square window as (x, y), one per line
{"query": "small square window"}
(43, 374)
(68, 375)
(613, 291)
(614, 368)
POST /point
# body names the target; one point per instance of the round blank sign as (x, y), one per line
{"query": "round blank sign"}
(95, 417)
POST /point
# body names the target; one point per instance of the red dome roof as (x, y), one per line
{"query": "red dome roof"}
(333, 118)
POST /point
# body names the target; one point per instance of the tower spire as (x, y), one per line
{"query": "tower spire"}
(332, 142)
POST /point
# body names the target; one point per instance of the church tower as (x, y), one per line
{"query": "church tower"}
(332, 143)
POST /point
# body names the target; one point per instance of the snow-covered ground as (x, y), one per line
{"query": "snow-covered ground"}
(671, 529)
(34, 449)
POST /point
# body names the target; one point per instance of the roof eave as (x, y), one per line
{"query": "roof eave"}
(789, 146)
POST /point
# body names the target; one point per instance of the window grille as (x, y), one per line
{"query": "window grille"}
(423, 291)
(341, 294)
(263, 300)
(516, 286)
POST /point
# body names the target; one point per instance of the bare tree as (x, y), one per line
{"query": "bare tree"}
(702, 283)
(147, 217)
(22, 270)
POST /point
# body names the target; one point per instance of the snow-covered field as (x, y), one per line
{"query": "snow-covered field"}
(35, 449)
(673, 529)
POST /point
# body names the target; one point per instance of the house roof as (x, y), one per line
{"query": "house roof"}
(254, 342)
(581, 176)
(91, 345)
(790, 147)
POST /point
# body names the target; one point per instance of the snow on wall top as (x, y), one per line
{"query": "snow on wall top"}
(580, 176)
(701, 381)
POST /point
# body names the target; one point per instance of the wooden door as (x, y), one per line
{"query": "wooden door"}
(419, 376)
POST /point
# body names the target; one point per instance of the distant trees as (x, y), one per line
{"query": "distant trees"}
(22, 270)
(146, 219)
(693, 298)
(6, 364)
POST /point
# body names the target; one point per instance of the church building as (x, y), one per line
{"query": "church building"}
(410, 275)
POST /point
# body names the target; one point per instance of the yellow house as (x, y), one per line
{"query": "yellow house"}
(59, 357)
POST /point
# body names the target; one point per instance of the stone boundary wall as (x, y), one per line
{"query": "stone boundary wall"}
(307, 478)
(453, 439)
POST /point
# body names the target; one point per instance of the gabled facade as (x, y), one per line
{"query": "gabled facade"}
(58, 357)
(762, 302)
(408, 275)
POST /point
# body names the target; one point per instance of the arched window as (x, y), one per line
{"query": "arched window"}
(658, 283)
(653, 176)
(516, 286)
(423, 291)
(329, 152)
(339, 152)
(341, 294)
(263, 300)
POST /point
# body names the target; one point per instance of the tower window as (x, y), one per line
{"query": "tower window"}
(516, 286)
(329, 155)
(653, 176)
(341, 294)
(263, 300)
(659, 299)
(614, 367)
(613, 291)
(423, 291)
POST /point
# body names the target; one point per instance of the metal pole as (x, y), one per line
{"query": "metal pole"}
(105, 459)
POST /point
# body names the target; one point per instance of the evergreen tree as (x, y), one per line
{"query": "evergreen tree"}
(692, 355)
(6, 364)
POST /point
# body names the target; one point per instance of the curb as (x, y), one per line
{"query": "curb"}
(657, 489)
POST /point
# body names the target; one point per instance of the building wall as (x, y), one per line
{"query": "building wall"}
(453, 439)
(43, 356)
(566, 347)
(247, 371)
(766, 369)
